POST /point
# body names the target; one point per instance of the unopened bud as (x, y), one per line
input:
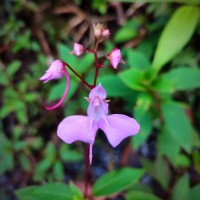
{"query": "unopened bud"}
(77, 49)
(106, 33)
(115, 58)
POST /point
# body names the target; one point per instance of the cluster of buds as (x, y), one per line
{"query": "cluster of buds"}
(100, 32)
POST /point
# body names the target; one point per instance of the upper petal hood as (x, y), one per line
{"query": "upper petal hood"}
(117, 127)
(98, 91)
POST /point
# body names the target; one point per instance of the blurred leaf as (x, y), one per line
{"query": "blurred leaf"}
(144, 118)
(158, 1)
(132, 78)
(177, 77)
(116, 181)
(57, 90)
(114, 86)
(58, 170)
(182, 161)
(25, 163)
(163, 85)
(140, 195)
(137, 60)
(41, 169)
(182, 24)
(69, 155)
(146, 125)
(181, 189)
(58, 191)
(144, 102)
(196, 159)
(50, 152)
(85, 63)
(13, 67)
(126, 32)
(6, 155)
(159, 169)
(31, 97)
(178, 124)
(170, 151)
(195, 192)
(64, 55)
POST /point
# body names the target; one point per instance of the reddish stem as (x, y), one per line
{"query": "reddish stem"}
(80, 77)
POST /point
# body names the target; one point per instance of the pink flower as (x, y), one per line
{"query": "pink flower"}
(55, 71)
(83, 128)
(115, 58)
(77, 49)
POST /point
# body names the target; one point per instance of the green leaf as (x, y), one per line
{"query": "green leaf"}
(177, 77)
(114, 86)
(175, 35)
(170, 151)
(163, 85)
(136, 59)
(144, 118)
(69, 155)
(58, 191)
(126, 32)
(181, 189)
(133, 79)
(116, 181)
(159, 169)
(158, 1)
(13, 67)
(182, 161)
(58, 170)
(195, 192)
(178, 124)
(57, 90)
(140, 195)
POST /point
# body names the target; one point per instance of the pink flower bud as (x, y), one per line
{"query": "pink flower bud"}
(115, 58)
(55, 71)
(98, 28)
(77, 49)
(106, 33)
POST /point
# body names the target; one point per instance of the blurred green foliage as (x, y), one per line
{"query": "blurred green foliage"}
(158, 85)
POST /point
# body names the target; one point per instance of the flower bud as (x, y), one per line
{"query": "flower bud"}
(98, 28)
(77, 49)
(115, 58)
(106, 33)
(55, 71)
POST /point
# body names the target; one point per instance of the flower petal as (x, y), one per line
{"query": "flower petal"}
(77, 127)
(98, 91)
(117, 127)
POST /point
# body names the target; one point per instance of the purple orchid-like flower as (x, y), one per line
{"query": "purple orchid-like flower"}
(83, 128)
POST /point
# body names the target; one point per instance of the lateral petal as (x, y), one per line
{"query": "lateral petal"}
(117, 127)
(76, 128)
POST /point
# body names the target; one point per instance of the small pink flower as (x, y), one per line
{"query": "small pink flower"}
(55, 71)
(83, 128)
(77, 49)
(115, 58)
